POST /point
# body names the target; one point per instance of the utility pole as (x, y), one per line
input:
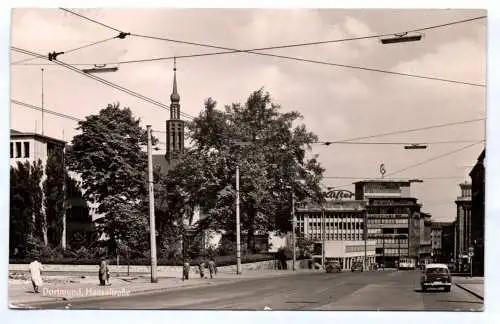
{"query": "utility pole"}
(152, 228)
(323, 237)
(365, 234)
(42, 100)
(294, 221)
(65, 199)
(238, 243)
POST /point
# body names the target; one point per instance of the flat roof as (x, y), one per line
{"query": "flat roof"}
(17, 134)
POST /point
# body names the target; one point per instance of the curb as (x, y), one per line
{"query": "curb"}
(63, 300)
(469, 291)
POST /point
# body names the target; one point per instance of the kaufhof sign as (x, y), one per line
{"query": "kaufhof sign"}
(339, 195)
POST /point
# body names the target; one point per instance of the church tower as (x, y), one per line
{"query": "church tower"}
(175, 126)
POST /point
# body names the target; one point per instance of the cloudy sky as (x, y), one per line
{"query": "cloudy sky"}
(337, 102)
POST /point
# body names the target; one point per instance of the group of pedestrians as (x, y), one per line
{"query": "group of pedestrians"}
(36, 269)
(212, 268)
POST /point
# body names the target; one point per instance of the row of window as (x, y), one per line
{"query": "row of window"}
(16, 150)
(337, 237)
(392, 241)
(359, 248)
(402, 251)
(388, 221)
(337, 226)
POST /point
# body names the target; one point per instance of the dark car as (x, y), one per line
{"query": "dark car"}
(357, 266)
(333, 266)
(436, 275)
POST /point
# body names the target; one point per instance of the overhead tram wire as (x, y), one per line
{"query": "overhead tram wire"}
(66, 52)
(45, 110)
(420, 163)
(404, 131)
(253, 51)
(158, 131)
(434, 158)
(400, 143)
(111, 84)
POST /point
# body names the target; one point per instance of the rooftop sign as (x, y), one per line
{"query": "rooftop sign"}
(339, 194)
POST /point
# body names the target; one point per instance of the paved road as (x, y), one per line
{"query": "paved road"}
(382, 290)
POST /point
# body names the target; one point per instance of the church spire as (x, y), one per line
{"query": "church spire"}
(174, 97)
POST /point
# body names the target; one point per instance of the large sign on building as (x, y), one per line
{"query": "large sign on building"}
(339, 195)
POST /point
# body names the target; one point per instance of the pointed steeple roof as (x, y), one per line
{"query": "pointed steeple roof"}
(174, 97)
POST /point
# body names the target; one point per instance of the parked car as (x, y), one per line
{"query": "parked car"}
(333, 266)
(357, 266)
(436, 275)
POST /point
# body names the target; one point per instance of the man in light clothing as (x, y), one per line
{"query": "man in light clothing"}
(36, 274)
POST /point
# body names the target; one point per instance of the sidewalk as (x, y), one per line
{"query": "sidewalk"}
(473, 285)
(68, 288)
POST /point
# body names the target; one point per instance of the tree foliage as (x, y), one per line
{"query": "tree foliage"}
(108, 156)
(26, 214)
(54, 196)
(272, 165)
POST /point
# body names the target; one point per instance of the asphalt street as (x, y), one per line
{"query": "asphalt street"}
(378, 290)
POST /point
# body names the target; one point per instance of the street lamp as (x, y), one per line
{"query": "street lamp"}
(415, 147)
(401, 38)
(100, 69)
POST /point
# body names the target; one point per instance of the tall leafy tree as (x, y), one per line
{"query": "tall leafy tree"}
(36, 175)
(54, 196)
(272, 165)
(26, 215)
(108, 156)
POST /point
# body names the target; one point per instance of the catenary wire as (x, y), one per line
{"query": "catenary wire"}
(399, 143)
(68, 51)
(253, 51)
(419, 163)
(404, 131)
(91, 20)
(111, 84)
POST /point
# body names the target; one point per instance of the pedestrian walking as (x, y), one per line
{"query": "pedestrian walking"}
(36, 269)
(212, 268)
(103, 272)
(201, 267)
(185, 271)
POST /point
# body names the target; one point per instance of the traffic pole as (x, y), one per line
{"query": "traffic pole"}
(238, 243)
(294, 221)
(152, 228)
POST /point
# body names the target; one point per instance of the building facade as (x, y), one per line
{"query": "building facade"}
(425, 253)
(339, 227)
(442, 241)
(393, 219)
(31, 147)
(478, 210)
(463, 226)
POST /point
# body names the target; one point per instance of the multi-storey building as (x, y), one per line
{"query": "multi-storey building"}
(31, 147)
(463, 224)
(393, 219)
(425, 253)
(477, 222)
(442, 240)
(341, 226)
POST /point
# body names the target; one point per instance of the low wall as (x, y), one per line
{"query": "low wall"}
(161, 270)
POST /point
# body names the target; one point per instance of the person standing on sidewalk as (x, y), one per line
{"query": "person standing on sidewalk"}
(185, 271)
(201, 267)
(212, 268)
(103, 272)
(36, 274)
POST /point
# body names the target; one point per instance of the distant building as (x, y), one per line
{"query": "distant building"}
(341, 224)
(426, 253)
(463, 224)
(393, 218)
(477, 222)
(442, 238)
